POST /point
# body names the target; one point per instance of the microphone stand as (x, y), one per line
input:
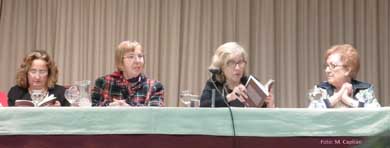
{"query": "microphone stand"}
(214, 72)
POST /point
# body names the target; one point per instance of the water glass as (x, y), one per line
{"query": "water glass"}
(72, 94)
(184, 98)
(154, 103)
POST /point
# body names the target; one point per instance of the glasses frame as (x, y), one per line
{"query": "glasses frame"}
(332, 66)
(134, 56)
(34, 72)
(233, 64)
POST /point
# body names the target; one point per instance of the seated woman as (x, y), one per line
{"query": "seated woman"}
(229, 61)
(128, 86)
(342, 90)
(37, 72)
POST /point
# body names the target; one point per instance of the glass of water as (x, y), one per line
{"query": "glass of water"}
(72, 94)
(184, 98)
(154, 103)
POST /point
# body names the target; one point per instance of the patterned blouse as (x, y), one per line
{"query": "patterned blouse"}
(363, 93)
(138, 91)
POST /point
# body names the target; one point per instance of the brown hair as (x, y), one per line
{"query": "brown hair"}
(122, 49)
(349, 57)
(21, 76)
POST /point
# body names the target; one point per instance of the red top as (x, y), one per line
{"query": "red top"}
(3, 99)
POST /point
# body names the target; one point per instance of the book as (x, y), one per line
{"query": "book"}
(29, 103)
(257, 92)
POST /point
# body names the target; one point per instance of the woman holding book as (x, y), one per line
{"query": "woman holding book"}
(342, 90)
(128, 86)
(228, 80)
(37, 73)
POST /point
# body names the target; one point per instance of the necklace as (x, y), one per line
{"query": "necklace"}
(42, 92)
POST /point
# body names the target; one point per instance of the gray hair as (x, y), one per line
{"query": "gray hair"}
(221, 55)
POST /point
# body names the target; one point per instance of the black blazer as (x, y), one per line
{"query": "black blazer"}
(19, 93)
(220, 94)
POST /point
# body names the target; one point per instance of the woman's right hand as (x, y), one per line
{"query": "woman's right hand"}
(117, 102)
(346, 88)
(239, 92)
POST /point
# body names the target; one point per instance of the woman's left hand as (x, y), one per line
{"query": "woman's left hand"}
(346, 96)
(55, 103)
(269, 100)
(118, 102)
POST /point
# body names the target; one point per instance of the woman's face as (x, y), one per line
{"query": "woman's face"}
(133, 63)
(234, 68)
(37, 75)
(336, 72)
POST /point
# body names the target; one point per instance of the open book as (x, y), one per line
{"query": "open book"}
(29, 103)
(257, 92)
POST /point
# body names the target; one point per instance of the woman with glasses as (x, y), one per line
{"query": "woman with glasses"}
(128, 86)
(228, 80)
(342, 90)
(37, 73)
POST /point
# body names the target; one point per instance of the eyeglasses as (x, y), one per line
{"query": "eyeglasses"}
(38, 72)
(332, 66)
(133, 56)
(233, 64)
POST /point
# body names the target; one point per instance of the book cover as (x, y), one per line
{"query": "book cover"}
(257, 92)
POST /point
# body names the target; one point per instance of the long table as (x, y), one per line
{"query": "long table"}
(188, 127)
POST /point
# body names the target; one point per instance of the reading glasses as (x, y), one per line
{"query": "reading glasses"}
(233, 64)
(133, 56)
(332, 66)
(38, 72)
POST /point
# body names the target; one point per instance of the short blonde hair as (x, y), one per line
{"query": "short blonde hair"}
(349, 57)
(21, 75)
(221, 55)
(122, 49)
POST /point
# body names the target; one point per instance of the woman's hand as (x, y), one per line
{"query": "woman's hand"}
(347, 89)
(337, 96)
(342, 95)
(239, 92)
(117, 102)
(269, 100)
(346, 96)
(54, 103)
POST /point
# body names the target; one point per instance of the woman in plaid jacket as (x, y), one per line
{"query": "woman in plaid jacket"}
(128, 86)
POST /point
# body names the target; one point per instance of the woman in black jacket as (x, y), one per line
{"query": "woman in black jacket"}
(228, 65)
(38, 72)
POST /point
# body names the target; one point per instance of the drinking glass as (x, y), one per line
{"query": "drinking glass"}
(85, 97)
(195, 102)
(155, 103)
(72, 94)
(184, 98)
(315, 96)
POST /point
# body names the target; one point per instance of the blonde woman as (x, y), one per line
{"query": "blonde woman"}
(230, 60)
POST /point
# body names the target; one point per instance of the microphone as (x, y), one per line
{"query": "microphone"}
(214, 71)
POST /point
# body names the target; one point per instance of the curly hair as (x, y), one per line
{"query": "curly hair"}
(21, 76)
(349, 56)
